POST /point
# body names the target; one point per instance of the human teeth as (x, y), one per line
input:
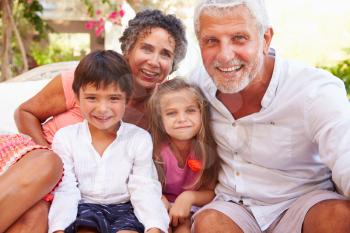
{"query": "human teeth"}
(150, 73)
(230, 69)
(102, 118)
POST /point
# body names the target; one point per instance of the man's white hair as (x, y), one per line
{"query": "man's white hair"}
(256, 8)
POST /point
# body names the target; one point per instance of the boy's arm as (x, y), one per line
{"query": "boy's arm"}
(145, 190)
(166, 203)
(64, 207)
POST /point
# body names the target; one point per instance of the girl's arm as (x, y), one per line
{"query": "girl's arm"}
(50, 101)
(181, 208)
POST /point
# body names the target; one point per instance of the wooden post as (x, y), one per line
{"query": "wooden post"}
(6, 42)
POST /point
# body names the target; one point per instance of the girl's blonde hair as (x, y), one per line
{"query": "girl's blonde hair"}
(204, 145)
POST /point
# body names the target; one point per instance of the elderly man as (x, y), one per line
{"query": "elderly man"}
(283, 129)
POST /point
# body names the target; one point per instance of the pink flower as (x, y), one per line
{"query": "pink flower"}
(89, 25)
(113, 15)
(99, 30)
(121, 12)
(29, 1)
(98, 12)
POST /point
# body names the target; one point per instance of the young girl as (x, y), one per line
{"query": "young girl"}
(184, 149)
(108, 184)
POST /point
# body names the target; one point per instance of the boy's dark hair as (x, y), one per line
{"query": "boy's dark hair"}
(102, 68)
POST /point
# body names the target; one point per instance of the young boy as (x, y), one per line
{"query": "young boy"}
(108, 184)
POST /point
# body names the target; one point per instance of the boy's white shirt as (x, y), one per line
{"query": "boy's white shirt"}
(124, 172)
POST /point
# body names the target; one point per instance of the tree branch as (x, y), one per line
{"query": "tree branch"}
(18, 37)
(6, 37)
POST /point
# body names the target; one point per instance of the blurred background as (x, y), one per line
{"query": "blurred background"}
(38, 32)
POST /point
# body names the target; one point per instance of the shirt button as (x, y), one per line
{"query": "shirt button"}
(236, 153)
(234, 124)
(237, 173)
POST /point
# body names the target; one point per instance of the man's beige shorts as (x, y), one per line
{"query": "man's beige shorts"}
(291, 219)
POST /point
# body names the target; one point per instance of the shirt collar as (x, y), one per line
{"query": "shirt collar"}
(86, 130)
(273, 85)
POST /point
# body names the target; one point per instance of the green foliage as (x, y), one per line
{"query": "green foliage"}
(174, 7)
(90, 6)
(54, 53)
(30, 11)
(17, 61)
(341, 70)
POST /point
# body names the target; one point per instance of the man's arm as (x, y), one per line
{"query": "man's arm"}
(327, 119)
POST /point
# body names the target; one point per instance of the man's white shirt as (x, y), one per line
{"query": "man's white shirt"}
(289, 147)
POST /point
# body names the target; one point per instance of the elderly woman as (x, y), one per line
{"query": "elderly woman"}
(153, 44)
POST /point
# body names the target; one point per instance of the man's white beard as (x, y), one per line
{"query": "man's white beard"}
(235, 85)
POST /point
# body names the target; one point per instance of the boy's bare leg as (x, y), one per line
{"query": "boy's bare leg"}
(87, 230)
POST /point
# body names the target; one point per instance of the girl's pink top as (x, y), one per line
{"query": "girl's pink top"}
(71, 116)
(177, 179)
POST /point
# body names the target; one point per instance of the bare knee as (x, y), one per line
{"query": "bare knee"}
(215, 220)
(331, 209)
(205, 217)
(329, 214)
(86, 230)
(50, 165)
(48, 169)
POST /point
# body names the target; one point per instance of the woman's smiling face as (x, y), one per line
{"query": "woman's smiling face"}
(151, 58)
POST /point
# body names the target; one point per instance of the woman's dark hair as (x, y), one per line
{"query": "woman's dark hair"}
(102, 68)
(144, 21)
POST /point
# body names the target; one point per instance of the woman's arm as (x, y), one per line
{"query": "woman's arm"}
(50, 101)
